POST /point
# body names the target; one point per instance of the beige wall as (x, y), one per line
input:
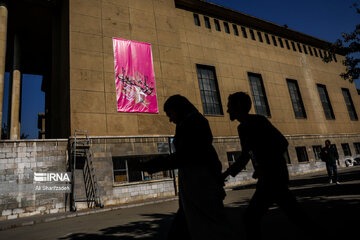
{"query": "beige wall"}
(177, 46)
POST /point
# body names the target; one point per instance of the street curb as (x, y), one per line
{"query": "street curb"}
(9, 224)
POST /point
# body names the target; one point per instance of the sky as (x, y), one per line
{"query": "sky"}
(323, 19)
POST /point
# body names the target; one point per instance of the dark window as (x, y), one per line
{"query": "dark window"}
(196, 19)
(124, 170)
(260, 36)
(243, 30)
(207, 22)
(236, 31)
(349, 104)
(305, 51)
(315, 51)
(252, 34)
(259, 96)
(274, 41)
(281, 43)
(325, 100)
(232, 156)
(334, 57)
(357, 147)
(217, 25)
(226, 27)
(301, 154)
(293, 46)
(296, 99)
(317, 152)
(299, 47)
(209, 90)
(346, 149)
(287, 44)
(320, 53)
(267, 38)
(287, 157)
(310, 51)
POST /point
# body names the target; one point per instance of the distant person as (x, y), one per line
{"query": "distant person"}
(330, 156)
(265, 146)
(201, 213)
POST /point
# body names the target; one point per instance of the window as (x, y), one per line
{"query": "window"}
(310, 51)
(196, 19)
(232, 156)
(299, 47)
(259, 96)
(317, 152)
(281, 43)
(334, 57)
(217, 25)
(346, 149)
(267, 38)
(301, 154)
(293, 46)
(124, 170)
(236, 31)
(243, 30)
(260, 36)
(226, 26)
(349, 104)
(296, 99)
(324, 97)
(320, 53)
(274, 41)
(209, 90)
(252, 34)
(357, 147)
(207, 22)
(315, 52)
(305, 51)
(287, 44)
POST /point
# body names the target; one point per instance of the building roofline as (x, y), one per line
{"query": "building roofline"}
(233, 16)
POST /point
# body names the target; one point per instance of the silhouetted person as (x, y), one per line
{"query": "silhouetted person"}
(201, 213)
(330, 156)
(265, 146)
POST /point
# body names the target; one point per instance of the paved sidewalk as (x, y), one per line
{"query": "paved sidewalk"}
(333, 208)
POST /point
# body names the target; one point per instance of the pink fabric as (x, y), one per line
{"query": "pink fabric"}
(134, 77)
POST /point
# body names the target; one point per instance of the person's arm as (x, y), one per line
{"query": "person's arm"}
(239, 165)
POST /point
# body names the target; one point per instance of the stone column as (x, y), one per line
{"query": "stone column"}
(3, 34)
(16, 92)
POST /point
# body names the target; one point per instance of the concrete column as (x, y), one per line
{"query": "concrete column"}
(3, 34)
(16, 92)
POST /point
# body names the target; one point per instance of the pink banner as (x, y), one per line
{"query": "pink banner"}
(134, 77)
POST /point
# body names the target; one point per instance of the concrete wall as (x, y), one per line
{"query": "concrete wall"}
(177, 46)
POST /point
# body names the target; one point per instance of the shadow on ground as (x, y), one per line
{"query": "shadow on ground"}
(334, 210)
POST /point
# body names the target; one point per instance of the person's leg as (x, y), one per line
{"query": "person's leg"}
(179, 229)
(258, 206)
(329, 171)
(334, 167)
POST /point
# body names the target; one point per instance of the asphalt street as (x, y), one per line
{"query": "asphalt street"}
(334, 210)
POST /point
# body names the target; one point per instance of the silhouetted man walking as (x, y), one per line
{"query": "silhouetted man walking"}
(265, 146)
(330, 156)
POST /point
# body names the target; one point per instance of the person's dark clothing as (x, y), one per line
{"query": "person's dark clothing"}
(265, 146)
(329, 155)
(201, 189)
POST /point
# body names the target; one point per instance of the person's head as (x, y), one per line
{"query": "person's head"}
(177, 107)
(328, 143)
(239, 105)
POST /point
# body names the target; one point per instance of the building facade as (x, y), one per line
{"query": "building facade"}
(200, 50)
